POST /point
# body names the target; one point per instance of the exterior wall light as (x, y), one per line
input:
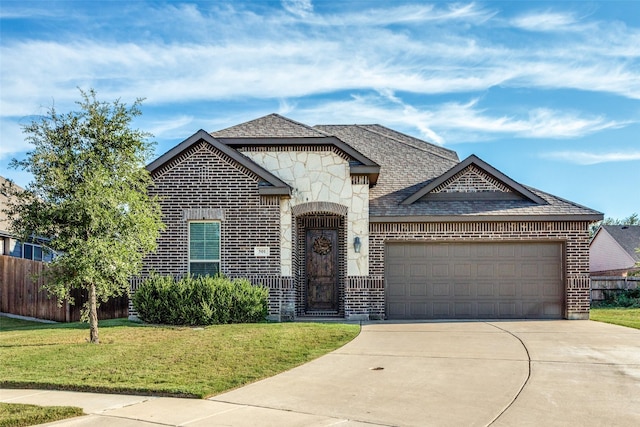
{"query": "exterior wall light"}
(356, 244)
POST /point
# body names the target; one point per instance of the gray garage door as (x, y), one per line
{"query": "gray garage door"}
(474, 280)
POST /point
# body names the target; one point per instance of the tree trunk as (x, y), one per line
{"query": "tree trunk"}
(93, 315)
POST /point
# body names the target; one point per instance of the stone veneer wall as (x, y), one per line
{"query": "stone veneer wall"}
(365, 297)
(319, 174)
(204, 184)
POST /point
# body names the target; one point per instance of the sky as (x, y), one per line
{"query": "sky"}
(547, 92)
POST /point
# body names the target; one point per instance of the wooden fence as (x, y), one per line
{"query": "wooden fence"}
(22, 296)
(603, 286)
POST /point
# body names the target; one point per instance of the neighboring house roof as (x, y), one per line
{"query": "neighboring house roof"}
(613, 248)
(627, 236)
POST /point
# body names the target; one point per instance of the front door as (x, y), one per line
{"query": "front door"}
(322, 269)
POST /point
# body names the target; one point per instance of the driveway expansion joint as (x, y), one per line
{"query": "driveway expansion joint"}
(526, 381)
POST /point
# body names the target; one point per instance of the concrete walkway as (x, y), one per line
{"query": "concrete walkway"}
(415, 374)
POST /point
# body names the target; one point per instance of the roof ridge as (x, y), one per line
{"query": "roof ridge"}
(272, 125)
(406, 143)
(421, 141)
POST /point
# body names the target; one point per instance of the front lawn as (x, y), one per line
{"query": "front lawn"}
(139, 359)
(18, 415)
(618, 316)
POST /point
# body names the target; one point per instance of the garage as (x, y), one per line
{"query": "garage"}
(474, 280)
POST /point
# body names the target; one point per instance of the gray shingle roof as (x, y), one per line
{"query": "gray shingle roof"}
(271, 126)
(402, 164)
(408, 164)
(627, 236)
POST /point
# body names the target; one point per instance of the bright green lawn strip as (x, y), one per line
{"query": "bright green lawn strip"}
(19, 415)
(629, 317)
(188, 362)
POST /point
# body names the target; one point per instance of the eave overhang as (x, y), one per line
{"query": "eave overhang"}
(485, 218)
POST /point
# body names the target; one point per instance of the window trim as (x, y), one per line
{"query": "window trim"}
(218, 261)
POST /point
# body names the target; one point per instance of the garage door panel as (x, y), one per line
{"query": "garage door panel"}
(532, 289)
(486, 310)
(463, 310)
(485, 270)
(506, 251)
(505, 270)
(440, 251)
(398, 291)
(462, 270)
(441, 310)
(441, 290)
(552, 309)
(396, 270)
(418, 289)
(529, 270)
(506, 309)
(550, 290)
(462, 289)
(440, 270)
(507, 290)
(416, 251)
(471, 280)
(485, 290)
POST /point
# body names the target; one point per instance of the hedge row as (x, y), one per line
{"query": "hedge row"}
(203, 300)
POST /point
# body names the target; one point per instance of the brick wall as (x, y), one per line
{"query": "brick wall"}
(204, 181)
(365, 296)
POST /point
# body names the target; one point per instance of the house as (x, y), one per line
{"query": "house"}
(613, 250)
(11, 246)
(363, 222)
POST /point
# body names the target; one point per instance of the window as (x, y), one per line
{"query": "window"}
(204, 248)
(34, 252)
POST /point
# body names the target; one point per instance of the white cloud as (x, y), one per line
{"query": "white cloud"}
(589, 158)
(544, 21)
(455, 122)
(301, 8)
(239, 54)
(11, 138)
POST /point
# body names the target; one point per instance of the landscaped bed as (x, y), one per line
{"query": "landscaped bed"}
(160, 360)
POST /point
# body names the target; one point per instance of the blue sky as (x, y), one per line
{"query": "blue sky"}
(546, 92)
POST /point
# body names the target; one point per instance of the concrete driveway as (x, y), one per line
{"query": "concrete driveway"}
(419, 374)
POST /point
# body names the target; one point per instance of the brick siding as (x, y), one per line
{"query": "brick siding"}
(573, 235)
(205, 180)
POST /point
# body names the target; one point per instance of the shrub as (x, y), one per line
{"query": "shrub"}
(203, 300)
(627, 298)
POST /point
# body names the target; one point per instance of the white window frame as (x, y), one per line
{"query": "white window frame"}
(189, 261)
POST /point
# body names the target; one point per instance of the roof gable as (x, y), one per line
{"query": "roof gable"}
(270, 185)
(473, 179)
(270, 126)
(627, 236)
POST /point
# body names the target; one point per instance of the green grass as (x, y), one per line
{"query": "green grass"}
(138, 359)
(629, 317)
(19, 415)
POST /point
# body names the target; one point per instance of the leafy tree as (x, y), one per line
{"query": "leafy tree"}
(89, 198)
(633, 219)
